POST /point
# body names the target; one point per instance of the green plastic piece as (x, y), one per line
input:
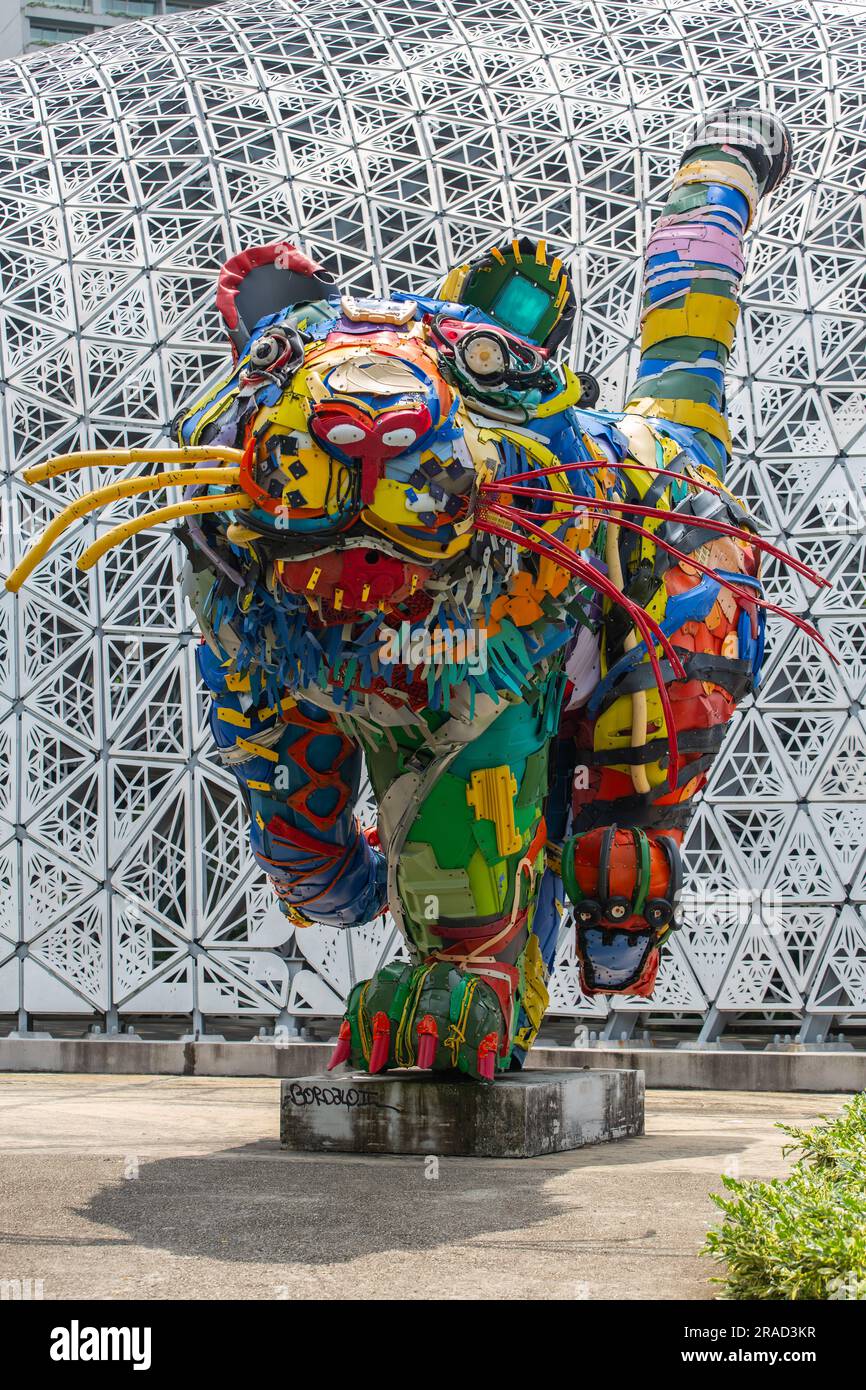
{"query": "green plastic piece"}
(642, 846)
(572, 888)
(407, 994)
(423, 883)
(516, 291)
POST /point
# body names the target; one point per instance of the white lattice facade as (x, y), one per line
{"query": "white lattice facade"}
(389, 139)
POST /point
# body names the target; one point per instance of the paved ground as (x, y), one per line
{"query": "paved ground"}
(161, 1187)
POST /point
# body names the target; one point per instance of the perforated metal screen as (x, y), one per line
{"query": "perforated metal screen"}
(390, 139)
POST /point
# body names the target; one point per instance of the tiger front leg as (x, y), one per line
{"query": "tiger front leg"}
(476, 906)
(299, 775)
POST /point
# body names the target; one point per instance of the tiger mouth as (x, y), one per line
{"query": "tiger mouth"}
(355, 582)
(362, 536)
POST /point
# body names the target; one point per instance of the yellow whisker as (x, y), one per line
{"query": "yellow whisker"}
(122, 458)
(91, 501)
(229, 502)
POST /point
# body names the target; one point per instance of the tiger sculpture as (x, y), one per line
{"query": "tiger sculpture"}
(413, 543)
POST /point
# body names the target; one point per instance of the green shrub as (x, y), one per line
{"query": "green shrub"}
(803, 1236)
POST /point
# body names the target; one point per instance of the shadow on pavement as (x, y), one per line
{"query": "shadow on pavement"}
(258, 1204)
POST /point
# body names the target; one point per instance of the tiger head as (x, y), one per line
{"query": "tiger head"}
(366, 425)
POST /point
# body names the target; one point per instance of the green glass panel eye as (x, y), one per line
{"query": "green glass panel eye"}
(520, 305)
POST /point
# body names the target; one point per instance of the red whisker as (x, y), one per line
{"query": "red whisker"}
(743, 595)
(724, 528)
(558, 550)
(600, 463)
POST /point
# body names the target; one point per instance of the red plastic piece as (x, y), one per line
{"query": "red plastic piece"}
(371, 450)
(344, 1045)
(428, 1037)
(487, 1056)
(367, 578)
(282, 252)
(381, 1043)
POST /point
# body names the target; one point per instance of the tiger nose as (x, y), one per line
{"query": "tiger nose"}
(360, 437)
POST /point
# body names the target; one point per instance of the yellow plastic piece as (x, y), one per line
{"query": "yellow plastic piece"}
(541, 253)
(569, 395)
(122, 458)
(724, 172)
(289, 414)
(488, 884)
(491, 794)
(242, 535)
(100, 497)
(237, 683)
(613, 730)
(257, 750)
(208, 416)
(389, 503)
(259, 786)
(453, 283)
(283, 707)
(696, 414)
(432, 550)
(638, 698)
(535, 996)
(670, 449)
(209, 397)
(702, 316)
(316, 484)
(233, 716)
(229, 501)
(299, 919)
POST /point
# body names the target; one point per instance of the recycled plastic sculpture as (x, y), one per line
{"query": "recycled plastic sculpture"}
(412, 539)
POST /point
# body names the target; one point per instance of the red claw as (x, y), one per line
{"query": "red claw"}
(428, 1037)
(344, 1045)
(381, 1042)
(487, 1056)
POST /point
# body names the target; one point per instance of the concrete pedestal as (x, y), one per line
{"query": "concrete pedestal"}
(520, 1115)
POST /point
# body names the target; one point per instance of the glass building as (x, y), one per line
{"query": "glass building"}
(27, 26)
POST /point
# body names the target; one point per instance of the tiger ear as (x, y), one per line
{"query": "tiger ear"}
(519, 285)
(263, 280)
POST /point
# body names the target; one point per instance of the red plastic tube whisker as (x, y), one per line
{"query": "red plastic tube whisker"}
(724, 528)
(743, 594)
(599, 463)
(595, 578)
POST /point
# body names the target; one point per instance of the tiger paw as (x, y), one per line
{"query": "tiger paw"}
(433, 1016)
(625, 887)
